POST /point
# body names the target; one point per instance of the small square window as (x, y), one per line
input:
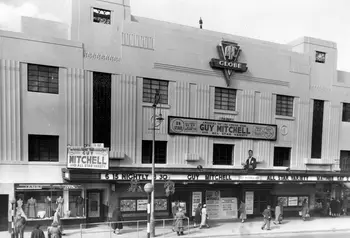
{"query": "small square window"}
(225, 99)
(160, 152)
(320, 57)
(284, 105)
(43, 79)
(346, 112)
(222, 154)
(281, 156)
(43, 148)
(150, 87)
(102, 16)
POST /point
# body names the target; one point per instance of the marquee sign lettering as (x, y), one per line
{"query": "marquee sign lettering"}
(228, 62)
(204, 127)
(221, 177)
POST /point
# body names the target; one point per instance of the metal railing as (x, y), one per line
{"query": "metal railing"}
(130, 226)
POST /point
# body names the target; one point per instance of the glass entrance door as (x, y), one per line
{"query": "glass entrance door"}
(94, 205)
(4, 209)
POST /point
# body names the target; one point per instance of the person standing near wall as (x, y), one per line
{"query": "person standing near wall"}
(242, 212)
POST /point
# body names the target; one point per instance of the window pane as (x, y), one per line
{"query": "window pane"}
(39, 76)
(151, 86)
(43, 148)
(225, 99)
(284, 105)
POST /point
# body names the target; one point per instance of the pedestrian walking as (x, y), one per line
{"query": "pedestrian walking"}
(117, 218)
(333, 206)
(197, 215)
(204, 218)
(345, 205)
(305, 210)
(174, 211)
(338, 207)
(54, 231)
(37, 232)
(242, 212)
(57, 219)
(278, 214)
(179, 224)
(267, 218)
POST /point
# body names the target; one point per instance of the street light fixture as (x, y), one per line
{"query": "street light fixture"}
(155, 118)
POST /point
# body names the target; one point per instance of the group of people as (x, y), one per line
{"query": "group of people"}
(337, 207)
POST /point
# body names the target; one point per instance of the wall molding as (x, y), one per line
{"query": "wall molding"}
(243, 77)
(137, 41)
(103, 57)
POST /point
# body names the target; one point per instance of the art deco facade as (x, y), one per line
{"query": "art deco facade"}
(95, 81)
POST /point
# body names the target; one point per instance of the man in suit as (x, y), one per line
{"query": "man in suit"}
(251, 161)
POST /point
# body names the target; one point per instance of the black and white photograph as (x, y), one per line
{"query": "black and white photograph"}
(174, 118)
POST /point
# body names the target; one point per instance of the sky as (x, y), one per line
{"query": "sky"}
(279, 21)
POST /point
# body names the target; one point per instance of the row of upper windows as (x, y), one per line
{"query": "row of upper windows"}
(45, 79)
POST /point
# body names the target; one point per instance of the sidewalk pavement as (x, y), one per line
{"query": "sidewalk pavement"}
(218, 229)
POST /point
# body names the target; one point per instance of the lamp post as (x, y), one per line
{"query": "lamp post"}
(159, 119)
(148, 189)
(13, 207)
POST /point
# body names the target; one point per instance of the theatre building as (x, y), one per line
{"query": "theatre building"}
(76, 118)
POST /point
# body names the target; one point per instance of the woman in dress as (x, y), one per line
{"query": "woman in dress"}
(48, 206)
(242, 211)
(304, 209)
(278, 214)
(204, 220)
(179, 224)
(197, 215)
(31, 208)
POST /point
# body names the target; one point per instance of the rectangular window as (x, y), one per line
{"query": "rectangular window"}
(150, 87)
(345, 160)
(43, 148)
(346, 112)
(320, 57)
(222, 154)
(281, 156)
(160, 152)
(102, 16)
(102, 91)
(284, 105)
(43, 79)
(317, 127)
(225, 99)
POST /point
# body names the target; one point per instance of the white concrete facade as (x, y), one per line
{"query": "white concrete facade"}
(131, 48)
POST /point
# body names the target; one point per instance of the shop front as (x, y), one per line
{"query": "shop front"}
(39, 202)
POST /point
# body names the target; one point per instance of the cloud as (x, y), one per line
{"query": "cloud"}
(10, 16)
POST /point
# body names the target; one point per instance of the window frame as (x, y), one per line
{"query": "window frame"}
(228, 150)
(344, 166)
(39, 76)
(283, 105)
(278, 162)
(101, 9)
(323, 60)
(230, 104)
(346, 112)
(159, 145)
(35, 148)
(148, 93)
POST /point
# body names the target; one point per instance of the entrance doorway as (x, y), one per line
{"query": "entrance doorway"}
(261, 200)
(4, 208)
(94, 206)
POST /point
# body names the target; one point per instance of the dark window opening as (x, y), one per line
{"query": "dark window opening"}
(102, 16)
(346, 112)
(225, 99)
(317, 127)
(43, 79)
(150, 87)
(160, 152)
(43, 148)
(320, 57)
(102, 85)
(284, 105)
(222, 154)
(281, 156)
(345, 160)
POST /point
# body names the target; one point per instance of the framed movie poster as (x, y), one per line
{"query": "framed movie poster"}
(128, 205)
